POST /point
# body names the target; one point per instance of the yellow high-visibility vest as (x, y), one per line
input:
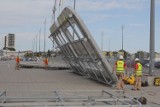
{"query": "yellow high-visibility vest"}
(139, 70)
(120, 66)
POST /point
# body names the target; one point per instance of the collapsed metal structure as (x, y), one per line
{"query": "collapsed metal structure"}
(69, 98)
(79, 48)
(85, 58)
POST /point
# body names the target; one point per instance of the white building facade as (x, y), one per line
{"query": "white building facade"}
(9, 41)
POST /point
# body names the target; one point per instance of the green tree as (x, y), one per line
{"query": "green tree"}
(141, 54)
(28, 55)
(11, 49)
(126, 54)
(49, 53)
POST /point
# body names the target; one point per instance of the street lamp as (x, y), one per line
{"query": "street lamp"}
(152, 36)
(122, 41)
(36, 42)
(122, 36)
(44, 35)
(40, 40)
(74, 4)
(33, 43)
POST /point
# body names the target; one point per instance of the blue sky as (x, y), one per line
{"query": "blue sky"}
(25, 18)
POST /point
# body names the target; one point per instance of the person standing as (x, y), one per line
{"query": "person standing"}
(17, 63)
(46, 63)
(120, 67)
(138, 75)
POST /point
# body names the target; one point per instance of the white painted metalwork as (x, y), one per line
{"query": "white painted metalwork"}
(69, 98)
(82, 52)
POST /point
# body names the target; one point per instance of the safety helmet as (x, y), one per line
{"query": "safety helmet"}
(120, 57)
(136, 59)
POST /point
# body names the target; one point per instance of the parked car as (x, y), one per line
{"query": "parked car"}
(143, 62)
(146, 65)
(157, 64)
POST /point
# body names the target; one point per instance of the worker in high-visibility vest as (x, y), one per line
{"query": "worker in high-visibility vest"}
(46, 63)
(138, 75)
(120, 67)
(17, 63)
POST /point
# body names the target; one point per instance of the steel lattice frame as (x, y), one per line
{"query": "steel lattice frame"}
(79, 48)
(69, 98)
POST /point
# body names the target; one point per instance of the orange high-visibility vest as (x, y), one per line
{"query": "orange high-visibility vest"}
(46, 61)
(17, 59)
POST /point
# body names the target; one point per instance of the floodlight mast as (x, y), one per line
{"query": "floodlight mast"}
(152, 37)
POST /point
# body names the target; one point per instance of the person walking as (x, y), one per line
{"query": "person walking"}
(17, 63)
(120, 67)
(46, 63)
(138, 75)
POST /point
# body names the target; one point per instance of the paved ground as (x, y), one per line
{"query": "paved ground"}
(42, 80)
(18, 82)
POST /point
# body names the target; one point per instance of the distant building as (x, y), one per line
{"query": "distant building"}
(9, 41)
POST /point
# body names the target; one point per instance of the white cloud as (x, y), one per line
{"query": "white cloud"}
(24, 18)
(137, 25)
(24, 40)
(23, 12)
(92, 18)
(100, 5)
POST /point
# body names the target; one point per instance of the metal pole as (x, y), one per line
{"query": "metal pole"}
(40, 40)
(152, 36)
(74, 4)
(36, 42)
(122, 38)
(54, 10)
(33, 46)
(44, 36)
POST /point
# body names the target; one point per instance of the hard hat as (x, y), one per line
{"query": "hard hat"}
(136, 59)
(120, 57)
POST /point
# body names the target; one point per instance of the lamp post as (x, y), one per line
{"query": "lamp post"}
(33, 43)
(40, 40)
(36, 42)
(44, 35)
(152, 36)
(74, 4)
(122, 36)
(122, 41)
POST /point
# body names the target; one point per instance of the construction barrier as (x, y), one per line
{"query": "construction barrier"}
(157, 81)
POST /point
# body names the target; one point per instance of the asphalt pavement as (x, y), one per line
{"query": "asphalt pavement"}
(24, 81)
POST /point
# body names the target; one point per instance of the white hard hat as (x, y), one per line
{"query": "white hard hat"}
(136, 59)
(120, 57)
